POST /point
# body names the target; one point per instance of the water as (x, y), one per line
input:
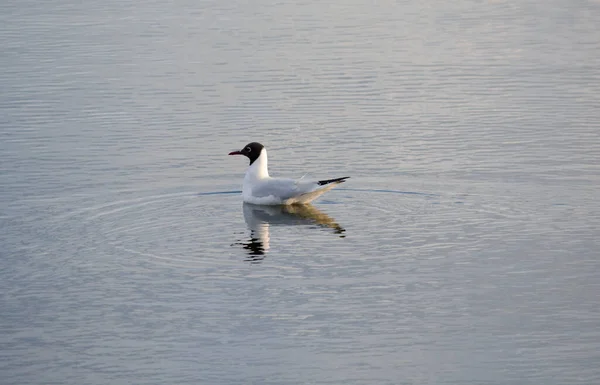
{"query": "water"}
(463, 250)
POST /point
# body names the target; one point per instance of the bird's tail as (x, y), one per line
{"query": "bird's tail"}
(336, 181)
(324, 186)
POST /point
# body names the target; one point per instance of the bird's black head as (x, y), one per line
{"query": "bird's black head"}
(251, 150)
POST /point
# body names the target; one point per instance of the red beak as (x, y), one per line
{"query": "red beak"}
(235, 153)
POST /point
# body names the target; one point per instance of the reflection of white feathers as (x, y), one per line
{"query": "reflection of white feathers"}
(258, 226)
(259, 219)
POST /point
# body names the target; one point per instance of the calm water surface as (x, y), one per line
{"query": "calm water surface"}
(463, 250)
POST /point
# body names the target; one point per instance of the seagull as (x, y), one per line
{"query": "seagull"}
(261, 189)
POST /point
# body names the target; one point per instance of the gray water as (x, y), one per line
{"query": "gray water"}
(463, 250)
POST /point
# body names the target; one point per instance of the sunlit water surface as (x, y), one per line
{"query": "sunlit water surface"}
(463, 250)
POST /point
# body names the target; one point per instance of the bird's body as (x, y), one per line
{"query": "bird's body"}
(261, 189)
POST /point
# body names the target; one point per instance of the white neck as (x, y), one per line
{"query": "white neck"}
(259, 169)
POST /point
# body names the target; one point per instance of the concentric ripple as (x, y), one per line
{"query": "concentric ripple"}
(208, 230)
(177, 230)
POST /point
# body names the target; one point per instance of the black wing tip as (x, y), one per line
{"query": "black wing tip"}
(336, 180)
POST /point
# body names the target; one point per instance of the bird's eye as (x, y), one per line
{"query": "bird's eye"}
(248, 149)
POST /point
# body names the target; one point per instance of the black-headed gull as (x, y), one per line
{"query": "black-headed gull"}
(261, 189)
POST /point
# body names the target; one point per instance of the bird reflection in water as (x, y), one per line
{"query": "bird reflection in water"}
(259, 219)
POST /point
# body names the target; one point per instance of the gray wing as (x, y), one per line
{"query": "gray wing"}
(283, 188)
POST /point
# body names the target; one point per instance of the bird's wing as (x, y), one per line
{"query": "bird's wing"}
(283, 188)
